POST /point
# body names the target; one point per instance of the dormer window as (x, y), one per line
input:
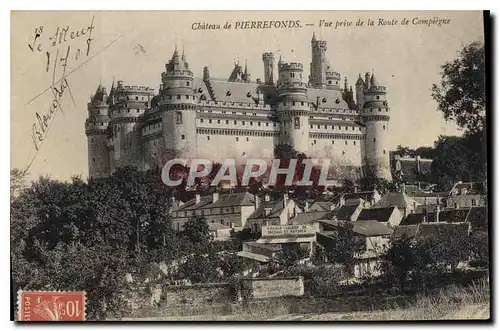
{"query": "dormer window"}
(187, 83)
(200, 90)
(228, 93)
(337, 101)
(249, 95)
(324, 100)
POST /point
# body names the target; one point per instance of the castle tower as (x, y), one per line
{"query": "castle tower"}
(268, 59)
(293, 108)
(178, 106)
(360, 84)
(127, 105)
(375, 114)
(96, 127)
(317, 78)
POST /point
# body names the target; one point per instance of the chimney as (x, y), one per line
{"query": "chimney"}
(257, 202)
(306, 207)
(438, 209)
(267, 197)
(355, 189)
(198, 198)
(215, 197)
(285, 200)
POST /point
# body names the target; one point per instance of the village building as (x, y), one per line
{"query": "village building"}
(390, 216)
(470, 194)
(402, 201)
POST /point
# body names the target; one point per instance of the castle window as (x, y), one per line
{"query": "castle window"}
(354, 143)
(340, 128)
(136, 98)
(347, 128)
(187, 97)
(378, 97)
(314, 142)
(333, 142)
(251, 123)
(209, 121)
(293, 103)
(292, 74)
(208, 137)
(274, 124)
(326, 126)
(128, 98)
(187, 83)
(284, 103)
(374, 139)
(319, 126)
(178, 97)
(128, 110)
(170, 97)
(93, 160)
(384, 151)
(346, 142)
(380, 109)
(371, 109)
(237, 139)
(311, 126)
(227, 121)
(137, 110)
(267, 124)
(258, 123)
(183, 137)
(201, 120)
(353, 128)
(178, 117)
(218, 121)
(235, 122)
(243, 122)
(297, 123)
(302, 103)
(383, 127)
(154, 143)
(330, 82)
(247, 138)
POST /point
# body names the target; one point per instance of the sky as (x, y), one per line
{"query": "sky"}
(405, 58)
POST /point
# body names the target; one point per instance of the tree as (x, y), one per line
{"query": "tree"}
(343, 247)
(197, 231)
(17, 182)
(290, 255)
(398, 261)
(461, 93)
(199, 269)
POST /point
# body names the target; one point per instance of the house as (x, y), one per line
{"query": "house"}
(471, 194)
(262, 253)
(348, 212)
(219, 232)
(402, 201)
(372, 238)
(367, 197)
(390, 216)
(272, 212)
(311, 218)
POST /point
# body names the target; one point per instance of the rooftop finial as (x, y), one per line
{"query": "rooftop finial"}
(313, 37)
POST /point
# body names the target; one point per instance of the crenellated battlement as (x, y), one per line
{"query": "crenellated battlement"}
(332, 74)
(175, 73)
(267, 55)
(291, 66)
(238, 105)
(375, 89)
(319, 44)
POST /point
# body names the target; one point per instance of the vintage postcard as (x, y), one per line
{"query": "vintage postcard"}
(249, 165)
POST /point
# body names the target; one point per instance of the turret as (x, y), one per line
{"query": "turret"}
(293, 108)
(128, 104)
(268, 59)
(376, 115)
(317, 78)
(360, 84)
(96, 127)
(178, 106)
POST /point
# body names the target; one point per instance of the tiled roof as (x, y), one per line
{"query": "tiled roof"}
(345, 212)
(454, 215)
(396, 199)
(365, 195)
(276, 207)
(225, 200)
(381, 214)
(365, 228)
(442, 231)
(272, 248)
(309, 217)
(417, 218)
(427, 208)
(329, 96)
(408, 231)
(233, 91)
(468, 188)
(321, 206)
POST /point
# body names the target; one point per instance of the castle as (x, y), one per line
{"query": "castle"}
(241, 118)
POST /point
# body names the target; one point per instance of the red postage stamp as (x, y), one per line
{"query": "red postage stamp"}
(51, 306)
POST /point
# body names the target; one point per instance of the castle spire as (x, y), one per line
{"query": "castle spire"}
(246, 69)
(373, 80)
(359, 82)
(345, 83)
(313, 37)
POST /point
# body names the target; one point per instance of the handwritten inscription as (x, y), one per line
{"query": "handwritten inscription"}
(58, 49)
